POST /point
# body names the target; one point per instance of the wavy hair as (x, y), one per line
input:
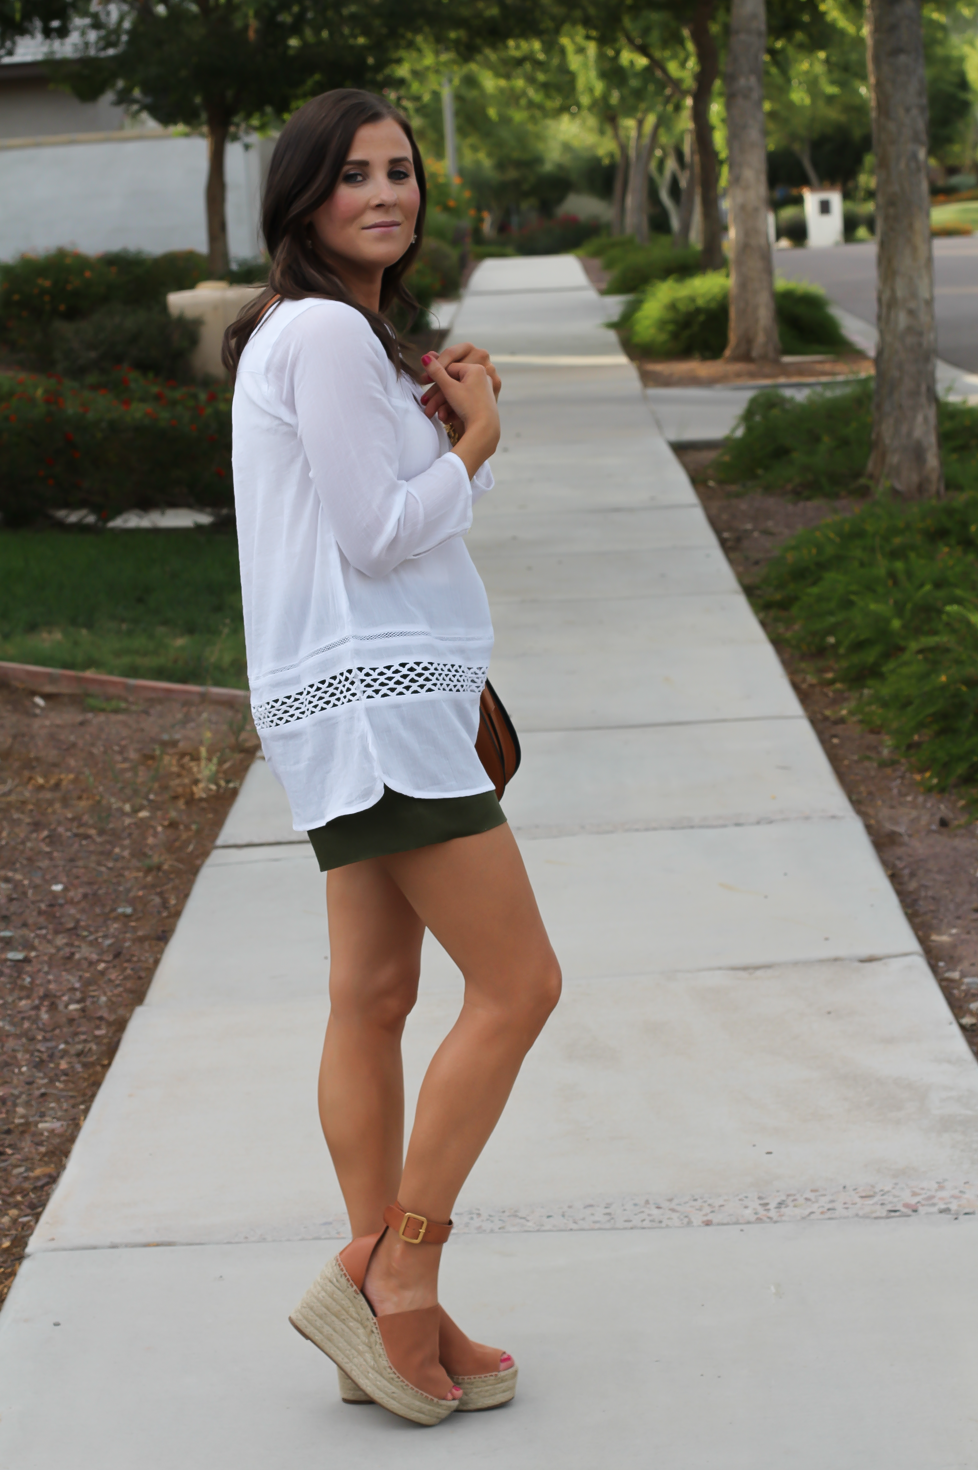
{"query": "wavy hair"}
(305, 169)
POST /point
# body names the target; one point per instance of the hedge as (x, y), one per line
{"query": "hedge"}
(690, 318)
(887, 595)
(142, 444)
(819, 445)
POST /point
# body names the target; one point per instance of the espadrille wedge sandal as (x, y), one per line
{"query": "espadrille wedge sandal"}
(475, 1369)
(393, 1359)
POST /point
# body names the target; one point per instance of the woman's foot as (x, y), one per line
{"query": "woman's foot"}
(403, 1278)
(486, 1376)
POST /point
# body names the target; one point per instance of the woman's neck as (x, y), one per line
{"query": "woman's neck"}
(362, 282)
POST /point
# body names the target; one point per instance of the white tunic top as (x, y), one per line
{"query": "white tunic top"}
(367, 627)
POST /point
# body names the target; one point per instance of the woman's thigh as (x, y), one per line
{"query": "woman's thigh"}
(374, 940)
(474, 895)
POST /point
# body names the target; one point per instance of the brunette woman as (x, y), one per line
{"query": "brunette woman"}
(369, 636)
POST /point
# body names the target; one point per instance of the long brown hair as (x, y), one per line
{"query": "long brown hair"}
(305, 169)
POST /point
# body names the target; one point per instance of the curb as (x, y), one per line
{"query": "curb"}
(67, 681)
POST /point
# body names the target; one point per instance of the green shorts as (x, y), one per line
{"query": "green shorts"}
(398, 823)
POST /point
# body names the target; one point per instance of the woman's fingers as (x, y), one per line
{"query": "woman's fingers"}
(465, 352)
(465, 387)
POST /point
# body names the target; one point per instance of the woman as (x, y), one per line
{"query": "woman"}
(368, 637)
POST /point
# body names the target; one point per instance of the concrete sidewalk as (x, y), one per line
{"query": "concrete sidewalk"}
(728, 1220)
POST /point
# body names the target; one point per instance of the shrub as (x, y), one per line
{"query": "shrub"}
(689, 317)
(819, 445)
(642, 264)
(251, 272)
(144, 338)
(858, 221)
(142, 444)
(435, 272)
(791, 224)
(951, 227)
(552, 236)
(491, 251)
(889, 595)
(805, 320)
(63, 286)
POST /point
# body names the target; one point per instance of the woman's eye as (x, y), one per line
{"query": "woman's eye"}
(353, 177)
(398, 174)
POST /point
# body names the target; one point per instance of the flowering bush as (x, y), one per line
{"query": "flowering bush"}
(138, 445)
(39, 291)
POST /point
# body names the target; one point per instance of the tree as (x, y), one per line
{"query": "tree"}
(753, 324)
(650, 33)
(226, 65)
(905, 452)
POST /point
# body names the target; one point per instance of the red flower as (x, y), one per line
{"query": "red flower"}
(219, 471)
(69, 436)
(201, 409)
(49, 461)
(212, 397)
(127, 403)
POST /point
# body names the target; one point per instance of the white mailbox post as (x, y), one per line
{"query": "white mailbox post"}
(823, 216)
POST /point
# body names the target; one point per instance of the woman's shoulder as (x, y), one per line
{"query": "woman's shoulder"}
(330, 326)
(292, 330)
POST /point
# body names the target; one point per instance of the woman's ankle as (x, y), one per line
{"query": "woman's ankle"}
(402, 1277)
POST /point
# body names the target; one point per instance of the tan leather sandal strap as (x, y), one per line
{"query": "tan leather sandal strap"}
(416, 1229)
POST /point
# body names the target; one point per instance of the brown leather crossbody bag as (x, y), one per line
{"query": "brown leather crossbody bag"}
(497, 744)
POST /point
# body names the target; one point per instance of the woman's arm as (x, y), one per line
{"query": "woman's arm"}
(349, 430)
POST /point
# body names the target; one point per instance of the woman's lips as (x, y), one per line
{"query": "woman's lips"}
(387, 224)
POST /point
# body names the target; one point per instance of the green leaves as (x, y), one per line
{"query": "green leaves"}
(891, 591)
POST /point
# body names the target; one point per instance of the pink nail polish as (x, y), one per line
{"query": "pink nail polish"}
(427, 358)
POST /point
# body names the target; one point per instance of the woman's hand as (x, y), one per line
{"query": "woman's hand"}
(469, 395)
(434, 401)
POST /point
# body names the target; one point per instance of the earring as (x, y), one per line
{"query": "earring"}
(414, 237)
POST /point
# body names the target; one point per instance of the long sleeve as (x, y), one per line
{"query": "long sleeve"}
(350, 431)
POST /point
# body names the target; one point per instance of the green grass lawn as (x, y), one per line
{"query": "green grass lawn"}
(965, 213)
(144, 604)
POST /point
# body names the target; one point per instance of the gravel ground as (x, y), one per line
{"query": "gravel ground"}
(927, 842)
(107, 811)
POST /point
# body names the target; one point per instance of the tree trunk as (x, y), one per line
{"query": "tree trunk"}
(905, 455)
(753, 326)
(621, 176)
(663, 184)
(217, 230)
(637, 208)
(634, 149)
(708, 65)
(690, 191)
(803, 152)
(641, 183)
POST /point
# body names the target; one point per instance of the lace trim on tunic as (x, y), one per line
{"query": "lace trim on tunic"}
(376, 681)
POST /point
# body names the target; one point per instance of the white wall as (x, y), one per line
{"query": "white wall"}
(136, 191)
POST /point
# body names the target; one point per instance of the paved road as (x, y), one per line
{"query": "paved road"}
(724, 1222)
(848, 274)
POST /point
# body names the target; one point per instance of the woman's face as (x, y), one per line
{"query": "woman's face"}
(367, 223)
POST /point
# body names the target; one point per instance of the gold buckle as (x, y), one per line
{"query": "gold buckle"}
(412, 1239)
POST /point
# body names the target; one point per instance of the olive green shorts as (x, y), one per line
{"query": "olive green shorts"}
(398, 823)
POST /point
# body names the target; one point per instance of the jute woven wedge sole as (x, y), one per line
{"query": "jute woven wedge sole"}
(485, 1392)
(335, 1317)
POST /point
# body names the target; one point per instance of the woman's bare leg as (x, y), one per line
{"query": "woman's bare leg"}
(375, 960)
(475, 897)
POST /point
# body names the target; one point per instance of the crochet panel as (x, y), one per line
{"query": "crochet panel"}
(377, 681)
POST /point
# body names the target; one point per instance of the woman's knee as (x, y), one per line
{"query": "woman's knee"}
(381, 995)
(526, 1002)
(544, 992)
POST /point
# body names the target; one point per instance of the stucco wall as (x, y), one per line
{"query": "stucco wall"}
(136, 192)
